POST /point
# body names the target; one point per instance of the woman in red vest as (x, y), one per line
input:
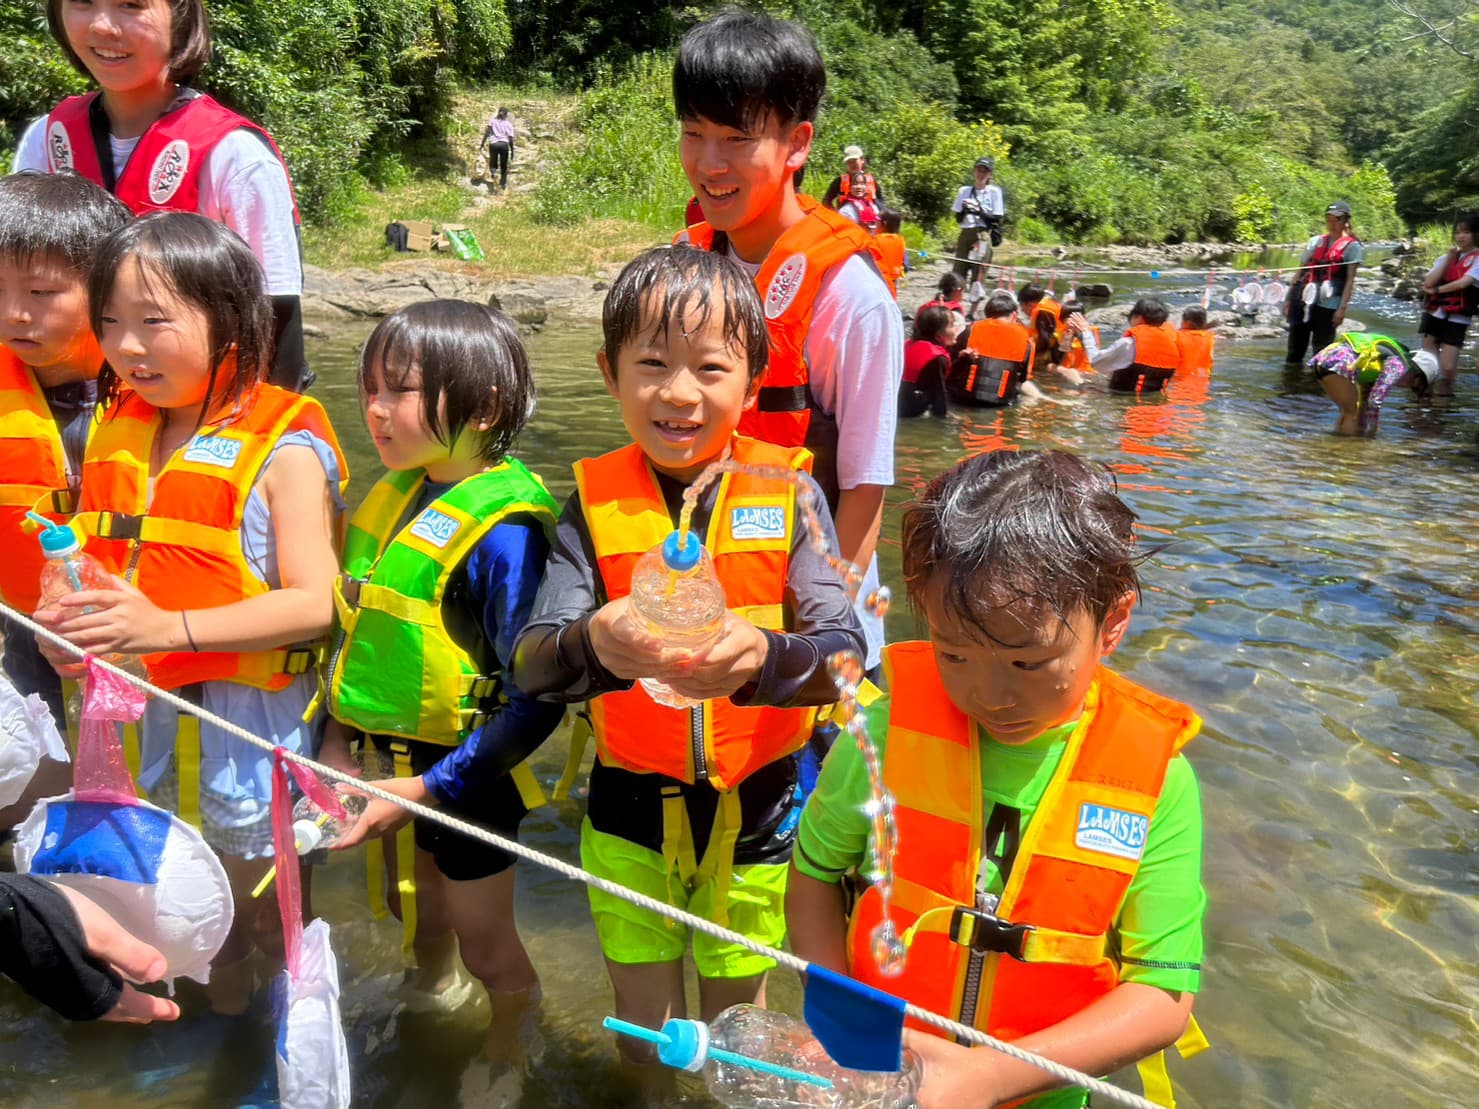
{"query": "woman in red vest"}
(1321, 289)
(1452, 289)
(159, 145)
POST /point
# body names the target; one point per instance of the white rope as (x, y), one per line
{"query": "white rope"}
(1064, 1074)
(1224, 273)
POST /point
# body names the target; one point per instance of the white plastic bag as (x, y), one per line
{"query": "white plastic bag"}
(1311, 293)
(27, 735)
(145, 867)
(312, 1059)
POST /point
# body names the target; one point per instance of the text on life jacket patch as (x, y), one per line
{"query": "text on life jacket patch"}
(213, 450)
(763, 521)
(58, 147)
(1111, 831)
(436, 528)
(168, 171)
(784, 286)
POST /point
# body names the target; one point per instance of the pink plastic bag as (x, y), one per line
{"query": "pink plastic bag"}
(107, 702)
(289, 884)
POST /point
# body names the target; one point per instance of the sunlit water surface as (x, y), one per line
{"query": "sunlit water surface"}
(1313, 597)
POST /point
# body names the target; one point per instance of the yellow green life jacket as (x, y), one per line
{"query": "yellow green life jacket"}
(396, 668)
(1371, 351)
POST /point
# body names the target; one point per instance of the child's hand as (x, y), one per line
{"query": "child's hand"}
(625, 649)
(951, 1074)
(334, 750)
(67, 665)
(122, 620)
(720, 669)
(381, 816)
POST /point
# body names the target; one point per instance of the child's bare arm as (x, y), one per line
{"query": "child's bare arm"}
(816, 921)
(1128, 1024)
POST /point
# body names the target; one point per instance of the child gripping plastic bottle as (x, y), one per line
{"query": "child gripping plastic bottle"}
(753, 1057)
(69, 570)
(677, 599)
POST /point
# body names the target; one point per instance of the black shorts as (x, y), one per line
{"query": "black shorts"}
(1446, 333)
(458, 857)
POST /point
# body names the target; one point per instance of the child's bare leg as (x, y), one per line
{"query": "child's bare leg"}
(1345, 394)
(646, 994)
(481, 913)
(435, 945)
(257, 924)
(717, 994)
(1448, 368)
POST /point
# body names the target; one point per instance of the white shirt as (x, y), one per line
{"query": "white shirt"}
(988, 198)
(1436, 274)
(1117, 356)
(242, 185)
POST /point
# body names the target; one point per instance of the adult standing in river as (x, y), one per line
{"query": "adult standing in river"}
(159, 145)
(1452, 290)
(838, 188)
(499, 135)
(979, 209)
(1320, 291)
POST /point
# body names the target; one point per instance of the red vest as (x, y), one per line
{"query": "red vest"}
(919, 353)
(163, 173)
(1456, 301)
(1327, 263)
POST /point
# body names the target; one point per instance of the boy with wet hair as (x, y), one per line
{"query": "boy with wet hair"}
(1144, 358)
(1057, 901)
(690, 806)
(996, 358)
(49, 365)
(746, 89)
(1194, 341)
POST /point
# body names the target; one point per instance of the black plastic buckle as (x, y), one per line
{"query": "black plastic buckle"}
(62, 502)
(986, 933)
(117, 525)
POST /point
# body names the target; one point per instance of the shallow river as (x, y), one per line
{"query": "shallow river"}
(1313, 597)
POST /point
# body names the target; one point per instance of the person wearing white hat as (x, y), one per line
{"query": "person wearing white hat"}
(1360, 368)
(838, 188)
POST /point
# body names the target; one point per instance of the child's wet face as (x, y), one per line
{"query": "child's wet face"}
(1029, 672)
(739, 176)
(44, 320)
(395, 415)
(125, 44)
(681, 393)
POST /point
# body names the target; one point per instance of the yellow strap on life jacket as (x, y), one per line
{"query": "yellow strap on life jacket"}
(530, 791)
(1153, 1073)
(405, 862)
(718, 861)
(132, 752)
(187, 768)
(867, 694)
(581, 734)
(677, 843)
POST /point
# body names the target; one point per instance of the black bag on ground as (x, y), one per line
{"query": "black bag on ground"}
(396, 236)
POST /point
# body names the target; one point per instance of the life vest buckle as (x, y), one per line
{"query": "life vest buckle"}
(118, 525)
(299, 660)
(782, 398)
(485, 686)
(62, 502)
(986, 933)
(349, 586)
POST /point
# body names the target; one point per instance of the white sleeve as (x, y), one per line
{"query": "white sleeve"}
(31, 154)
(998, 205)
(1438, 267)
(1116, 356)
(960, 199)
(245, 187)
(855, 355)
(1473, 270)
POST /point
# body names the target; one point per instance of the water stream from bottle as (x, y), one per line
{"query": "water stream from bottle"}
(847, 672)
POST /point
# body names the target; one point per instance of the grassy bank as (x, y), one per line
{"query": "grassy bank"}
(434, 185)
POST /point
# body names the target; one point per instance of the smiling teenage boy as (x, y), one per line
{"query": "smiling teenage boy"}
(1050, 832)
(49, 364)
(687, 806)
(746, 88)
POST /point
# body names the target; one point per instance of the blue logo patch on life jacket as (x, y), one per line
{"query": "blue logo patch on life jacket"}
(437, 528)
(1111, 831)
(213, 450)
(764, 521)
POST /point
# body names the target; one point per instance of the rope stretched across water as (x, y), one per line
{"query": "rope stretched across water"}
(1064, 1074)
(1222, 273)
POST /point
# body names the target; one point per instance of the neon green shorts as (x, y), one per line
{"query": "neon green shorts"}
(628, 934)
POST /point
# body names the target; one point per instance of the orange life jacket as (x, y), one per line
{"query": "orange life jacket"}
(1077, 357)
(1195, 346)
(1156, 348)
(181, 543)
(1004, 351)
(33, 478)
(891, 260)
(789, 281)
(1042, 955)
(749, 537)
(844, 188)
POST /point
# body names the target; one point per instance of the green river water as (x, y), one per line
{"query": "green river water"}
(1313, 598)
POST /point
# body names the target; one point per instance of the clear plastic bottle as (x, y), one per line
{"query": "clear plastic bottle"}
(69, 569)
(785, 1041)
(677, 600)
(314, 829)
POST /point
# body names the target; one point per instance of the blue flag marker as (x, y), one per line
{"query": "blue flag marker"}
(1155, 275)
(862, 1028)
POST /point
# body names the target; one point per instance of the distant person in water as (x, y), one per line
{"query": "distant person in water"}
(927, 363)
(1195, 341)
(1359, 369)
(1452, 289)
(1144, 359)
(1328, 271)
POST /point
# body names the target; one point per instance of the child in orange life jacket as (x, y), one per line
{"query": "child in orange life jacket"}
(216, 497)
(49, 363)
(159, 145)
(690, 806)
(1452, 290)
(1057, 902)
(457, 526)
(895, 254)
(1070, 361)
(1194, 341)
(1144, 358)
(995, 358)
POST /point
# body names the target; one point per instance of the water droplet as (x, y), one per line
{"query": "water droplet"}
(889, 952)
(879, 600)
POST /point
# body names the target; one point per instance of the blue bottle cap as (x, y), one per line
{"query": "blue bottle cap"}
(681, 558)
(56, 541)
(687, 1048)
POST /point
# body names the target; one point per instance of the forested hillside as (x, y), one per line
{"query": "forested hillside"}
(1135, 120)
